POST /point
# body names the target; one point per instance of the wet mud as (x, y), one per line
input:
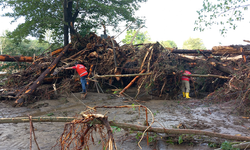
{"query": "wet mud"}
(168, 114)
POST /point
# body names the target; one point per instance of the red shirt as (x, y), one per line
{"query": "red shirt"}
(185, 77)
(81, 70)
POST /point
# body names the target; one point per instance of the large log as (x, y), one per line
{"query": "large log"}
(127, 126)
(186, 51)
(39, 80)
(216, 50)
(232, 49)
(16, 58)
(36, 119)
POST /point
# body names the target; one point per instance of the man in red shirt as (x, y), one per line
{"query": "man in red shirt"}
(82, 71)
(185, 86)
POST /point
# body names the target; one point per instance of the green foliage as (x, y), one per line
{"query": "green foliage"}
(168, 43)
(152, 138)
(228, 146)
(180, 140)
(212, 145)
(141, 37)
(138, 135)
(170, 141)
(193, 43)
(225, 13)
(43, 15)
(156, 113)
(115, 92)
(25, 48)
(133, 106)
(50, 114)
(116, 129)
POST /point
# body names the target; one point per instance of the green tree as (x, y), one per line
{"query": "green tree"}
(168, 43)
(141, 37)
(193, 43)
(61, 16)
(26, 47)
(225, 13)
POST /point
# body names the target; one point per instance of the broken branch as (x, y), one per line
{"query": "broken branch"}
(123, 75)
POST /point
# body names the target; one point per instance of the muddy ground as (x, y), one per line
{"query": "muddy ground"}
(168, 113)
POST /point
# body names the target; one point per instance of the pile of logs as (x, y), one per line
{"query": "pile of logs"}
(150, 67)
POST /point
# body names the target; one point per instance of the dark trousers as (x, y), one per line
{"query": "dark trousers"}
(83, 82)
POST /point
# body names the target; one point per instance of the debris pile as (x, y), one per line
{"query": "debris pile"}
(46, 77)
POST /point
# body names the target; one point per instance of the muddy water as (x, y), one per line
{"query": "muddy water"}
(169, 114)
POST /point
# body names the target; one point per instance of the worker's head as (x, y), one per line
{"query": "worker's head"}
(76, 62)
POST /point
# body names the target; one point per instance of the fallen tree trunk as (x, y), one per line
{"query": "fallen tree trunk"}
(36, 119)
(127, 126)
(232, 49)
(178, 131)
(39, 80)
(186, 51)
(16, 58)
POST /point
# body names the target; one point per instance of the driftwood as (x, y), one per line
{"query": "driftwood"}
(186, 51)
(57, 51)
(122, 75)
(127, 126)
(36, 119)
(39, 80)
(130, 60)
(112, 39)
(244, 145)
(220, 67)
(232, 49)
(207, 76)
(16, 58)
(58, 69)
(131, 82)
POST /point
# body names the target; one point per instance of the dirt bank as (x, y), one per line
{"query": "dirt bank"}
(168, 114)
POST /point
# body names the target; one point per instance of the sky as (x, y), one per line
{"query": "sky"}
(173, 20)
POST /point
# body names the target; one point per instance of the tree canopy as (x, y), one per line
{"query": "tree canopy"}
(26, 47)
(225, 13)
(168, 43)
(62, 15)
(141, 37)
(193, 43)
